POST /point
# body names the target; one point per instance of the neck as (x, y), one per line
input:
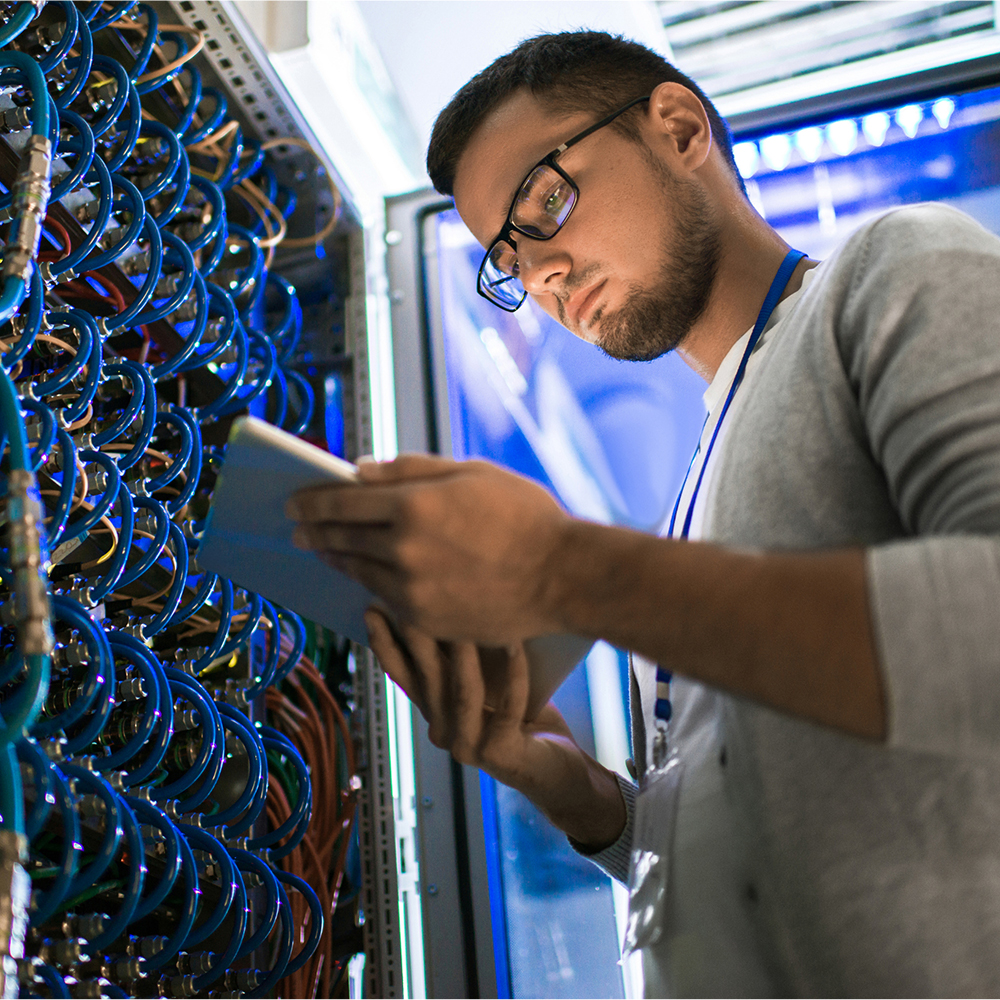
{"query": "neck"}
(749, 258)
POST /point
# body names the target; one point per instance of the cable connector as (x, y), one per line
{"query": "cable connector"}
(29, 562)
(29, 203)
(15, 895)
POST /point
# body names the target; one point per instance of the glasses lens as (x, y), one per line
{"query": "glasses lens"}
(498, 279)
(544, 202)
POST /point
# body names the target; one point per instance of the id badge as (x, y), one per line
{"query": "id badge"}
(650, 880)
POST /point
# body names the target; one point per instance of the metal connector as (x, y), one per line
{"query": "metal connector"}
(15, 895)
(29, 203)
(29, 562)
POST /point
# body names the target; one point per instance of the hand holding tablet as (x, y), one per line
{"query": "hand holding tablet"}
(249, 539)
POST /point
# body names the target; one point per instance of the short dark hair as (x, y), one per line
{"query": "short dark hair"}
(572, 71)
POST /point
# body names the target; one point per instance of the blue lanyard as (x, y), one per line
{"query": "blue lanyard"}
(788, 265)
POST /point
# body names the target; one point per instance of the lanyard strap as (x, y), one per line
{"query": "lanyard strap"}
(663, 707)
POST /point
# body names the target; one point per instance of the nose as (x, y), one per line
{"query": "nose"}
(542, 265)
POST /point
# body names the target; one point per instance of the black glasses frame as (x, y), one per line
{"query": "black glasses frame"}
(509, 226)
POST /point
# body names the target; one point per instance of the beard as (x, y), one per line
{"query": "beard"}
(655, 320)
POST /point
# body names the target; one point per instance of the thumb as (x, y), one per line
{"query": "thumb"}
(405, 467)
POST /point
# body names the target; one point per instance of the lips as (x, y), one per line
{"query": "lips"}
(582, 304)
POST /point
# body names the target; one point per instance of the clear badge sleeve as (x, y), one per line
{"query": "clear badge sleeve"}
(650, 882)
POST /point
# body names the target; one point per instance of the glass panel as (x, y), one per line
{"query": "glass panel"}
(611, 440)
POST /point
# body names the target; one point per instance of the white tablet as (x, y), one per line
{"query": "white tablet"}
(248, 539)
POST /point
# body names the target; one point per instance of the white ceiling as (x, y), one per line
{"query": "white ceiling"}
(432, 47)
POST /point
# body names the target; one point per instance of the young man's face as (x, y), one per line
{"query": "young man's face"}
(632, 268)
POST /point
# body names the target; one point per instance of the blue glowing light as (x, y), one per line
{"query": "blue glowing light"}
(809, 142)
(747, 158)
(908, 118)
(776, 150)
(875, 127)
(942, 110)
(842, 136)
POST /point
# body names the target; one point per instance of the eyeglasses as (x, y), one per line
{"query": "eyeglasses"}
(543, 203)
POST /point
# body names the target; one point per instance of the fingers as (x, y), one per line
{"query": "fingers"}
(340, 502)
(405, 467)
(468, 700)
(395, 660)
(430, 665)
(370, 541)
(514, 700)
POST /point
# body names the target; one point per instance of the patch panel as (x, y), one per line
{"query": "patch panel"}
(178, 782)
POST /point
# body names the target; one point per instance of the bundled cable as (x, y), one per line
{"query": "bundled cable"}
(174, 843)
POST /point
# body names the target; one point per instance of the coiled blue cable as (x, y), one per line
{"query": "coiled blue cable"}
(106, 196)
(156, 545)
(186, 430)
(178, 545)
(273, 640)
(280, 967)
(175, 251)
(77, 528)
(123, 85)
(157, 130)
(126, 645)
(45, 904)
(173, 857)
(133, 200)
(53, 981)
(192, 894)
(247, 862)
(112, 835)
(28, 752)
(93, 725)
(117, 760)
(85, 149)
(166, 76)
(240, 726)
(148, 41)
(298, 645)
(58, 52)
(23, 16)
(99, 19)
(32, 321)
(194, 99)
(295, 826)
(85, 46)
(65, 609)
(225, 618)
(126, 907)
(131, 135)
(173, 364)
(200, 599)
(46, 433)
(212, 121)
(211, 747)
(84, 326)
(95, 371)
(201, 840)
(67, 461)
(316, 921)
(106, 583)
(130, 315)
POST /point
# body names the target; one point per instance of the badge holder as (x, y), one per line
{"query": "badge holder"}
(650, 882)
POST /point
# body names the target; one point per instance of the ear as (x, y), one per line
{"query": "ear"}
(680, 124)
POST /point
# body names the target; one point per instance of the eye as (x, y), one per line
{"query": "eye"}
(558, 202)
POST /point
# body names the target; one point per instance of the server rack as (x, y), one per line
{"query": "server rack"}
(332, 362)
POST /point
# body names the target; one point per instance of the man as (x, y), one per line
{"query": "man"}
(834, 636)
